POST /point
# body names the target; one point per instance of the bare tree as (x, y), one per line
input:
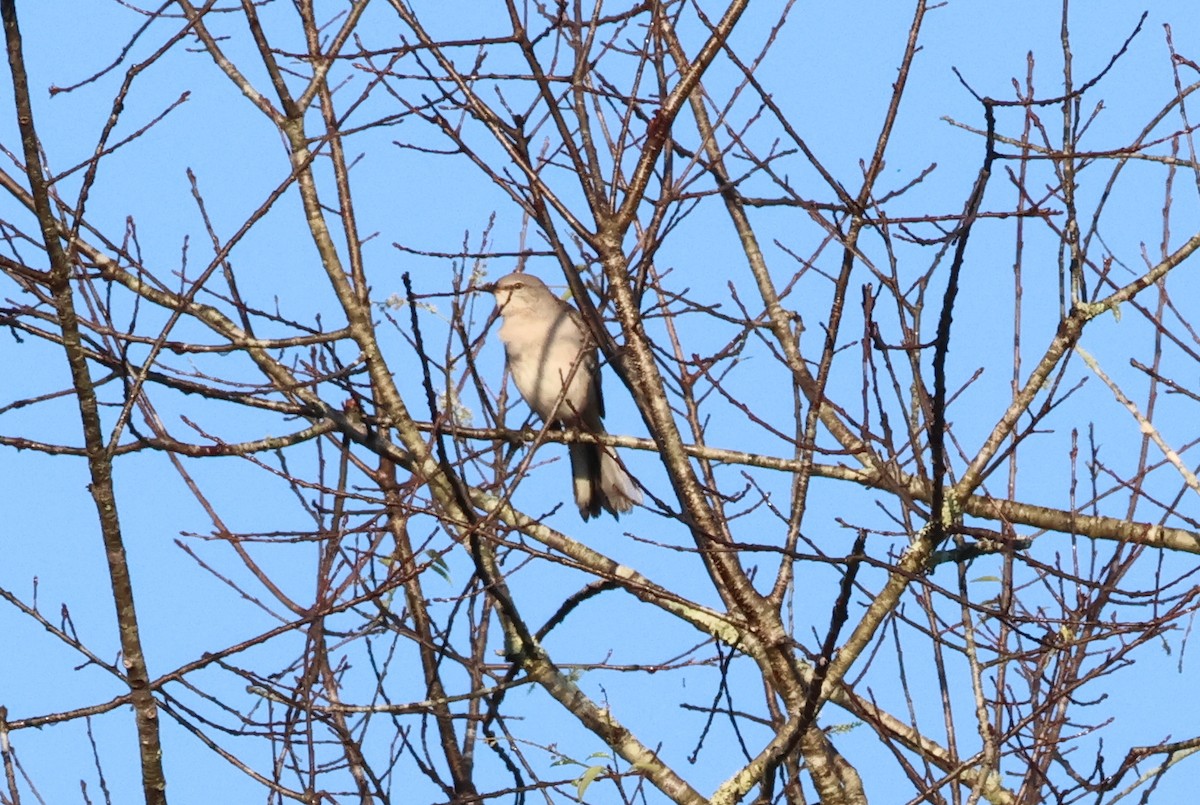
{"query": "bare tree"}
(913, 435)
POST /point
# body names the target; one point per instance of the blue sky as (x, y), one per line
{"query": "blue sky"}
(832, 69)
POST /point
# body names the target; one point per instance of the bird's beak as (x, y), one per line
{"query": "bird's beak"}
(487, 287)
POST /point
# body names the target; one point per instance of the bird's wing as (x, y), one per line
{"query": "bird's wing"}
(590, 365)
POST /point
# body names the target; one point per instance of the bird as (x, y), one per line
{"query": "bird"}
(552, 360)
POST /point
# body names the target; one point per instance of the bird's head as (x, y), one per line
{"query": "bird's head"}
(516, 290)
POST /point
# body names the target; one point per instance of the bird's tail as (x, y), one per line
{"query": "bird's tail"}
(600, 482)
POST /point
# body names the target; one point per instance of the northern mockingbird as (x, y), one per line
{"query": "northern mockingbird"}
(552, 359)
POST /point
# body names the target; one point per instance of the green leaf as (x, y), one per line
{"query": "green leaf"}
(437, 563)
(587, 778)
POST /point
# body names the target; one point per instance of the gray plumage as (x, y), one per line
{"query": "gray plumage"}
(548, 348)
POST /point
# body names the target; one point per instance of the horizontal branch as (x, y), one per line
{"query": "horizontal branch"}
(217, 448)
(983, 506)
